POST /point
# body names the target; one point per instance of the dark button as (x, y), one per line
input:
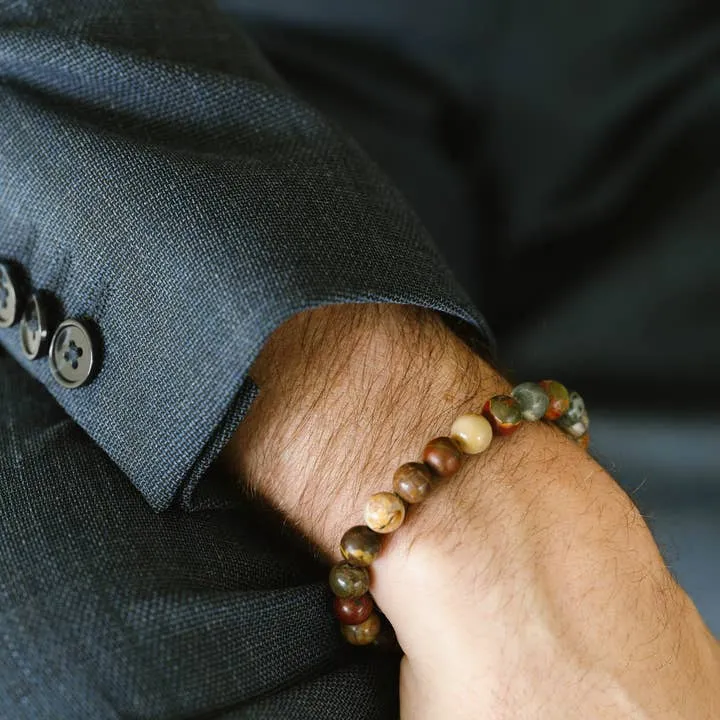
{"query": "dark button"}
(35, 327)
(73, 354)
(9, 300)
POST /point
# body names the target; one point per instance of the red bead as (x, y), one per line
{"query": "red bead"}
(442, 456)
(353, 611)
(504, 414)
(558, 396)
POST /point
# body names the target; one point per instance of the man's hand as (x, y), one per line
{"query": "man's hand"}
(529, 586)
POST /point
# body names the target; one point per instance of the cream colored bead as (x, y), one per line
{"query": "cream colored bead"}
(473, 433)
(384, 512)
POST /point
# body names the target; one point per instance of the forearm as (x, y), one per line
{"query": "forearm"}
(347, 395)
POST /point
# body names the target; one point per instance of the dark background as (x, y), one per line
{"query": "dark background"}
(565, 157)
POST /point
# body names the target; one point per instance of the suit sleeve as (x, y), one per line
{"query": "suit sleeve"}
(157, 177)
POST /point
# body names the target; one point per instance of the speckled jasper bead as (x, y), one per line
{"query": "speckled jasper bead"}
(442, 456)
(559, 399)
(352, 611)
(503, 413)
(364, 633)
(412, 482)
(533, 401)
(347, 581)
(360, 545)
(384, 512)
(472, 433)
(575, 411)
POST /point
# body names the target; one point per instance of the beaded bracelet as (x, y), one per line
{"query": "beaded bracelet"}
(442, 457)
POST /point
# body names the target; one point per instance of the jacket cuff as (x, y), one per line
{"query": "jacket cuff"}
(188, 212)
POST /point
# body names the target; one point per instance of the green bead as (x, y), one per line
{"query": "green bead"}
(575, 411)
(533, 400)
(348, 581)
(575, 422)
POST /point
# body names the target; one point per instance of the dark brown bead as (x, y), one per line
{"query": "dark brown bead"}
(353, 611)
(364, 633)
(442, 456)
(412, 482)
(360, 545)
(504, 414)
(347, 580)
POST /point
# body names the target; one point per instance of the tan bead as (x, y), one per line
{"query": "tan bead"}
(413, 482)
(472, 433)
(384, 512)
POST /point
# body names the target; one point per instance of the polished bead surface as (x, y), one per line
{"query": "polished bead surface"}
(559, 399)
(472, 433)
(360, 545)
(503, 413)
(575, 430)
(352, 611)
(384, 512)
(73, 354)
(412, 482)
(575, 422)
(347, 581)
(10, 296)
(533, 401)
(576, 410)
(364, 633)
(443, 456)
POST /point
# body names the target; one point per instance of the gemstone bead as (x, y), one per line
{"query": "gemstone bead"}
(559, 399)
(364, 633)
(575, 411)
(353, 611)
(412, 482)
(348, 581)
(360, 545)
(575, 429)
(471, 433)
(384, 512)
(504, 414)
(533, 400)
(442, 456)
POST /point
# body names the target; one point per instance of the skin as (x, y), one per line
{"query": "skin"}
(526, 586)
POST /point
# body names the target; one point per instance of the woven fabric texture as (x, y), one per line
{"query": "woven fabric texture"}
(160, 179)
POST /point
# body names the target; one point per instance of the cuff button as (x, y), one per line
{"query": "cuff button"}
(9, 300)
(73, 354)
(35, 327)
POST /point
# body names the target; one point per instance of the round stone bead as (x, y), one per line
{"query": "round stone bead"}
(384, 512)
(364, 633)
(353, 611)
(472, 433)
(348, 581)
(412, 482)
(532, 399)
(559, 399)
(360, 545)
(576, 410)
(442, 456)
(504, 414)
(576, 430)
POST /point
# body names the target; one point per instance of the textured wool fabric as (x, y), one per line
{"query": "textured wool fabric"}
(110, 610)
(158, 178)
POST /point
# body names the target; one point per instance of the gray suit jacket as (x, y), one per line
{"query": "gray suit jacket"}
(159, 182)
